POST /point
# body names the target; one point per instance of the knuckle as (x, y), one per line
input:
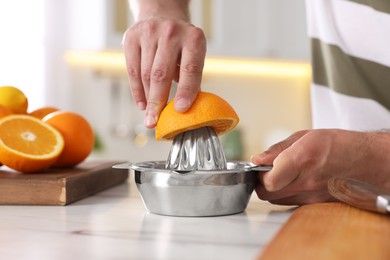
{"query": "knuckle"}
(146, 76)
(196, 40)
(170, 29)
(270, 183)
(192, 69)
(276, 147)
(149, 27)
(197, 34)
(127, 36)
(159, 75)
(132, 35)
(155, 104)
(132, 72)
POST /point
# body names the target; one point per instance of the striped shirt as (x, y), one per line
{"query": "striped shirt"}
(351, 63)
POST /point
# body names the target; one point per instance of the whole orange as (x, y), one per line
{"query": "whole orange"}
(42, 112)
(78, 137)
(5, 111)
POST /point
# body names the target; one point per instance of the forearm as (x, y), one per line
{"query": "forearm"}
(143, 9)
(379, 145)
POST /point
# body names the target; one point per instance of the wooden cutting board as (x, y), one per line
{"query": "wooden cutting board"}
(58, 186)
(331, 231)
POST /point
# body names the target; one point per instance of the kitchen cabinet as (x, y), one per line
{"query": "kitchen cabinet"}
(253, 28)
(249, 28)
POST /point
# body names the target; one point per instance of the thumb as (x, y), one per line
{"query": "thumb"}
(268, 156)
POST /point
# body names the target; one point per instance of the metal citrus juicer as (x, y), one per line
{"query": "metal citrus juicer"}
(196, 179)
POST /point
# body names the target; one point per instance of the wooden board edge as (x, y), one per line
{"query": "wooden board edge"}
(101, 178)
(331, 230)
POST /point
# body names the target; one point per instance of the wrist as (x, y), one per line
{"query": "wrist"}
(379, 148)
(144, 9)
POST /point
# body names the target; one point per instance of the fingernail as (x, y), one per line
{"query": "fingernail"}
(150, 120)
(141, 105)
(181, 104)
(254, 159)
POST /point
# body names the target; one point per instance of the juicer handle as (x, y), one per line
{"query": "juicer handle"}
(262, 168)
(122, 166)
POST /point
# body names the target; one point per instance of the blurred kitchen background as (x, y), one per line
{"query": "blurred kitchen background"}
(67, 53)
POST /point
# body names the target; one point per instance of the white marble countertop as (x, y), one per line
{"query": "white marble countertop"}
(114, 225)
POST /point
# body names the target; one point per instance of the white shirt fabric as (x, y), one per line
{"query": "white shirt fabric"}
(361, 32)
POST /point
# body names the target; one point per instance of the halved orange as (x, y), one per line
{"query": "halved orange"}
(28, 144)
(207, 110)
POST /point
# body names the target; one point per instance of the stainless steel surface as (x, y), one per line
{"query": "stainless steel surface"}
(261, 168)
(196, 180)
(197, 149)
(195, 193)
(248, 166)
(383, 203)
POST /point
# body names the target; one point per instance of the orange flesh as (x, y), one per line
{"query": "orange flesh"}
(36, 140)
(219, 125)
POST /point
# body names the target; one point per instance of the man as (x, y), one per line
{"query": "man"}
(350, 91)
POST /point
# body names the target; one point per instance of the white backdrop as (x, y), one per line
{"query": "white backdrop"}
(34, 35)
(21, 47)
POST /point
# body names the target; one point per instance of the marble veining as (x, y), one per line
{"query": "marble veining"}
(114, 225)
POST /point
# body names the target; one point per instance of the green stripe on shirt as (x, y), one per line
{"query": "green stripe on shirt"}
(350, 75)
(379, 5)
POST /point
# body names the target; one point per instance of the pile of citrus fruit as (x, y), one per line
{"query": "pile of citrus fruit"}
(208, 109)
(46, 137)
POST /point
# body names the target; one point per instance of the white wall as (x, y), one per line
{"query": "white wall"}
(255, 28)
(69, 24)
(21, 47)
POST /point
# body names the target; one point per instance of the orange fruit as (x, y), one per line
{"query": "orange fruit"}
(207, 110)
(5, 111)
(14, 99)
(78, 136)
(27, 144)
(43, 111)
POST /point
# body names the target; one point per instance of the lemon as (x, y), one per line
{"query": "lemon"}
(14, 99)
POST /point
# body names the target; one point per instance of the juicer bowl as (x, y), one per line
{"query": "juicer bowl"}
(195, 193)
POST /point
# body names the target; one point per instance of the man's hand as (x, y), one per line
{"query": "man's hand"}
(304, 162)
(161, 47)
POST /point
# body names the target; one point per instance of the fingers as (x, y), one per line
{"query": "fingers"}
(161, 77)
(283, 173)
(285, 159)
(132, 52)
(191, 68)
(153, 50)
(267, 157)
(298, 175)
(148, 52)
(294, 197)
